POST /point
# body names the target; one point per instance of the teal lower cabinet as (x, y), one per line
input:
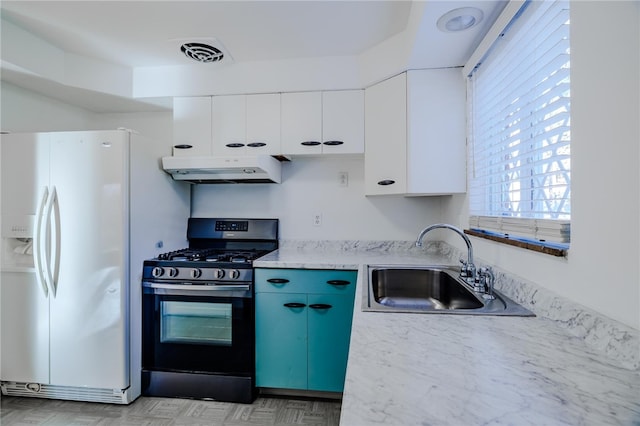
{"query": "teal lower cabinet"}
(303, 327)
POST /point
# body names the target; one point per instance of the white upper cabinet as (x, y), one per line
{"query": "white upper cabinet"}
(302, 123)
(323, 122)
(263, 124)
(246, 125)
(229, 125)
(385, 156)
(436, 132)
(415, 134)
(192, 126)
(343, 122)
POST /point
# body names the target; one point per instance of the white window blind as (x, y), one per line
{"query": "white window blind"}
(520, 174)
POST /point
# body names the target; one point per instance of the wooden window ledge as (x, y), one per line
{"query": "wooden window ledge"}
(553, 249)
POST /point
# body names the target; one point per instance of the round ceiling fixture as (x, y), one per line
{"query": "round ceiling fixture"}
(460, 19)
(202, 52)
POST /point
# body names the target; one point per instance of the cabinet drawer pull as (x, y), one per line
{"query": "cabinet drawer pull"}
(333, 143)
(294, 305)
(310, 143)
(234, 145)
(256, 144)
(386, 182)
(183, 146)
(338, 282)
(320, 306)
(277, 280)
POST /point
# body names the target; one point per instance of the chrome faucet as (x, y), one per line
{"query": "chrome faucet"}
(468, 269)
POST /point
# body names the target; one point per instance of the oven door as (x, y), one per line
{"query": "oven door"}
(204, 330)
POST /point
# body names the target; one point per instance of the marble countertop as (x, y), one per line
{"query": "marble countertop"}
(439, 369)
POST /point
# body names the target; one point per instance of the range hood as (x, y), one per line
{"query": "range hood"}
(252, 169)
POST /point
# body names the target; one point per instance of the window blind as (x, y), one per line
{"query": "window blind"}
(520, 126)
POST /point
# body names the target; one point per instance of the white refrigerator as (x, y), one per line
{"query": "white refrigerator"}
(80, 212)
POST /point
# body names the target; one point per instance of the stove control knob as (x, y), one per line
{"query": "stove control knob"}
(173, 272)
(157, 272)
(218, 274)
(234, 274)
(196, 273)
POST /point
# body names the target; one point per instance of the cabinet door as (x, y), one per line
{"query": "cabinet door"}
(436, 152)
(325, 281)
(386, 137)
(263, 124)
(229, 125)
(281, 340)
(329, 328)
(302, 123)
(343, 122)
(192, 126)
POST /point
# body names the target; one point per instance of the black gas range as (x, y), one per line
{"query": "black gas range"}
(198, 311)
(221, 251)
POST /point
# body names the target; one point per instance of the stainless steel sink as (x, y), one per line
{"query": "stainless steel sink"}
(433, 289)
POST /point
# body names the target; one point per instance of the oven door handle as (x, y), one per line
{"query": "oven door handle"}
(212, 288)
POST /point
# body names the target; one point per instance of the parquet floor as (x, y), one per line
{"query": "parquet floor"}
(147, 411)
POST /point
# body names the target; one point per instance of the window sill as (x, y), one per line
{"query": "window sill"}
(553, 249)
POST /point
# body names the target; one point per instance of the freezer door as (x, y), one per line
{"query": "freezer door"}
(89, 306)
(24, 306)
(24, 312)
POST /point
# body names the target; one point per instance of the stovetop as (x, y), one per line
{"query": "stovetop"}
(219, 250)
(213, 255)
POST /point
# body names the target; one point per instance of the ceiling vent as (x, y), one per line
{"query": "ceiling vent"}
(202, 52)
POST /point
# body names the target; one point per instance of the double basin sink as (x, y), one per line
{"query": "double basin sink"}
(432, 289)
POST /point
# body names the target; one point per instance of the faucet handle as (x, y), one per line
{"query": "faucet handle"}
(463, 268)
(487, 278)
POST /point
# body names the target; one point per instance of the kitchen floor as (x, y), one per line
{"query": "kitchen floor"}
(18, 411)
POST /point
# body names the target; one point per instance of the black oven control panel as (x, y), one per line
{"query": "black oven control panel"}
(232, 229)
(232, 225)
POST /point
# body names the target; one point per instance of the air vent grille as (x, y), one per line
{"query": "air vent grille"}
(202, 52)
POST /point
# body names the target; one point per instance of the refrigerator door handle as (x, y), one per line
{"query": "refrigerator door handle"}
(56, 265)
(38, 243)
(53, 198)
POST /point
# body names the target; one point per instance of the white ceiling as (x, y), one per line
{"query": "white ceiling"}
(137, 34)
(144, 33)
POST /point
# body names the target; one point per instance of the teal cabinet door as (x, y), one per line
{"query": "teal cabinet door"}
(329, 328)
(281, 340)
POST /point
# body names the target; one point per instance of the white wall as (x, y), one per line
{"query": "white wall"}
(25, 111)
(601, 271)
(310, 185)
(157, 126)
(22, 110)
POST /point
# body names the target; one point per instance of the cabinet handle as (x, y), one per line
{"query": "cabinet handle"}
(338, 282)
(294, 305)
(277, 280)
(386, 182)
(183, 146)
(320, 306)
(256, 144)
(333, 143)
(234, 145)
(310, 143)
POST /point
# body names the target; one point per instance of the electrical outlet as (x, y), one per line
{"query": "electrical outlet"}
(343, 179)
(317, 219)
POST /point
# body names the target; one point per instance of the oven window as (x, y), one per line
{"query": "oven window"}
(195, 323)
